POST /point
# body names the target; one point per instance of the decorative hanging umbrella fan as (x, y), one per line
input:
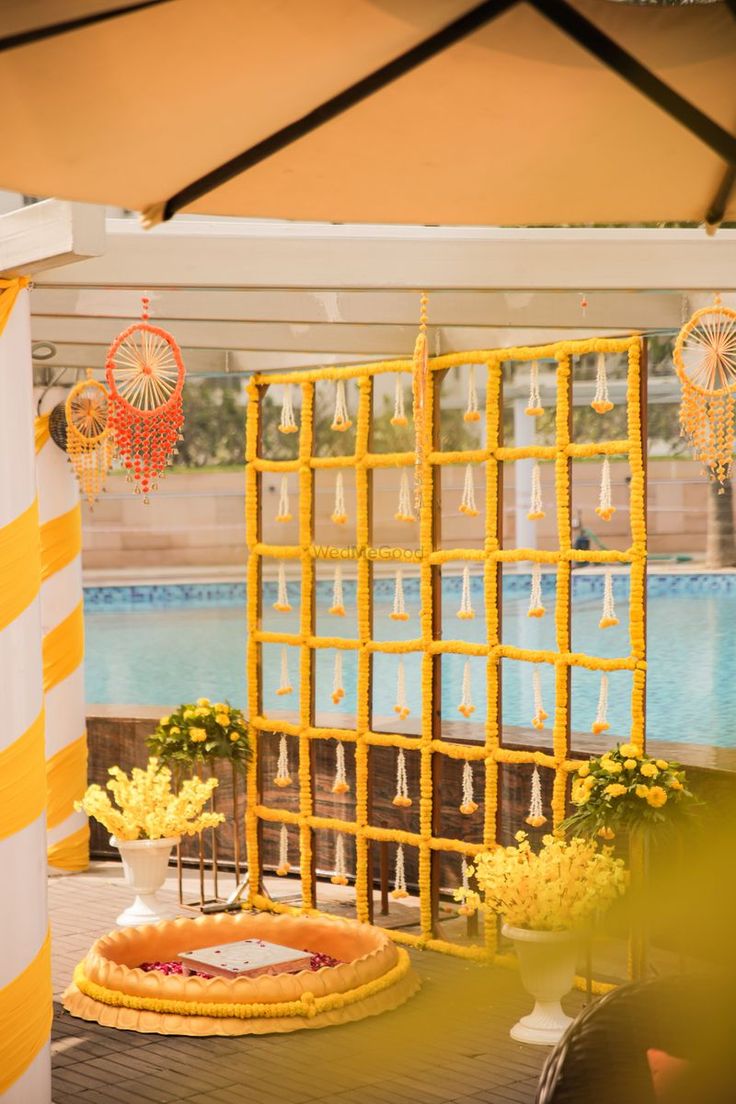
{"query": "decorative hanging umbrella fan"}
(705, 361)
(89, 443)
(146, 376)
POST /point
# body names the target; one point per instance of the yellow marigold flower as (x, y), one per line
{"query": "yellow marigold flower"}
(662, 764)
(234, 737)
(189, 714)
(201, 711)
(164, 720)
(615, 789)
(222, 719)
(615, 768)
(584, 771)
(630, 751)
(629, 764)
(197, 735)
(203, 701)
(221, 707)
(642, 791)
(657, 797)
(675, 784)
(174, 731)
(649, 770)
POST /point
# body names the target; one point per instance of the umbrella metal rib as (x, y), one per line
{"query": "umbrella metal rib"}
(39, 34)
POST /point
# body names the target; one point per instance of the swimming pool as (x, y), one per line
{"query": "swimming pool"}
(159, 645)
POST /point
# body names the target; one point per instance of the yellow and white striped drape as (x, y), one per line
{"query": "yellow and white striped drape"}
(25, 969)
(63, 652)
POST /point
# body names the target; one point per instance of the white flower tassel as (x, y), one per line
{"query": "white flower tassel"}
(339, 514)
(465, 909)
(467, 504)
(341, 421)
(283, 778)
(472, 414)
(282, 604)
(340, 876)
(605, 508)
(338, 690)
(340, 784)
(287, 423)
(468, 805)
(401, 799)
(398, 613)
(401, 707)
(337, 609)
(399, 416)
(466, 611)
(601, 402)
(399, 889)
(600, 724)
(534, 406)
(284, 512)
(536, 609)
(284, 865)
(466, 706)
(536, 508)
(285, 686)
(609, 617)
(539, 714)
(536, 816)
(405, 510)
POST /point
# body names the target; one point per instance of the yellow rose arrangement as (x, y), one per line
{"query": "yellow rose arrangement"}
(624, 790)
(146, 807)
(561, 887)
(201, 730)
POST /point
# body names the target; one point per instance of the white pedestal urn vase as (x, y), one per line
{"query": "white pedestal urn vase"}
(145, 863)
(547, 968)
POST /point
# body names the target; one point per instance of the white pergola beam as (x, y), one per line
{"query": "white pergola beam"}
(48, 235)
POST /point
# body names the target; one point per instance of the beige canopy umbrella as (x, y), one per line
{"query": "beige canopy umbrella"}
(419, 111)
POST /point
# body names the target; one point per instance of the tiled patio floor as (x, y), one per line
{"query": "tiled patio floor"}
(449, 1043)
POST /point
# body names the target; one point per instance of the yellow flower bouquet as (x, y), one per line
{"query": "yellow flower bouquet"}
(202, 730)
(147, 808)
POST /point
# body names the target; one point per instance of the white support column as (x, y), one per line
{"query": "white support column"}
(524, 426)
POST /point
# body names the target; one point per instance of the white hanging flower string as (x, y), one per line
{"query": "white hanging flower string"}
(405, 510)
(539, 714)
(465, 909)
(398, 612)
(338, 690)
(399, 889)
(536, 609)
(399, 416)
(401, 798)
(536, 817)
(282, 604)
(601, 402)
(340, 876)
(340, 783)
(468, 805)
(472, 414)
(466, 706)
(401, 707)
(285, 686)
(467, 503)
(605, 508)
(337, 609)
(534, 406)
(341, 421)
(284, 865)
(284, 513)
(283, 778)
(287, 423)
(600, 724)
(536, 508)
(466, 611)
(339, 513)
(609, 617)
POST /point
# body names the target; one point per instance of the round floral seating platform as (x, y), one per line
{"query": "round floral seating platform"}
(373, 976)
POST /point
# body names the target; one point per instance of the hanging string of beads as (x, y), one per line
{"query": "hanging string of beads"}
(472, 414)
(399, 889)
(287, 421)
(339, 513)
(534, 404)
(466, 611)
(405, 510)
(285, 686)
(399, 417)
(338, 690)
(468, 806)
(465, 909)
(609, 618)
(600, 724)
(467, 503)
(539, 713)
(601, 402)
(466, 706)
(398, 612)
(536, 508)
(401, 708)
(341, 421)
(401, 798)
(337, 609)
(284, 512)
(89, 443)
(536, 817)
(536, 609)
(282, 604)
(284, 865)
(283, 777)
(605, 508)
(340, 876)
(340, 783)
(420, 383)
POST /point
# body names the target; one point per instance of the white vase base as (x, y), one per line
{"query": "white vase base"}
(144, 910)
(544, 1026)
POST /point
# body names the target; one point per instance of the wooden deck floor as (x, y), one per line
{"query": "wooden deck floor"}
(449, 1043)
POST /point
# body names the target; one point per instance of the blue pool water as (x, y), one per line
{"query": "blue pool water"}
(159, 645)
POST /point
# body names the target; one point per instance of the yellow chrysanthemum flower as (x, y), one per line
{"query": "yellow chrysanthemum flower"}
(174, 730)
(649, 770)
(615, 768)
(657, 797)
(164, 720)
(234, 737)
(203, 701)
(221, 707)
(675, 784)
(201, 711)
(630, 751)
(662, 764)
(629, 764)
(197, 735)
(642, 791)
(584, 771)
(615, 789)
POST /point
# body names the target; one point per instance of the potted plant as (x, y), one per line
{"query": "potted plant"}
(546, 898)
(146, 821)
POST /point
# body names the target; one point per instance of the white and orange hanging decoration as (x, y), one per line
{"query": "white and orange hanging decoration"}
(340, 877)
(284, 865)
(601, 402)
(145, 374)
(401, 798)
(605, 508)
(468, 805)
(705, 360)
(284, 686)
(467, 502)
(405, 509)
(402, 707)
(337, 609)
(465, 909)
(89, 443)
(283, 513)
(420, 403)
(466, 611)
(608, 616)
(472, 414)
(466, 706)
(534, 403)
(341, 421)
(600, 724)
(282, 604)
(340, 782)
(283, 775)
(540, 716)
(398, 610)
(287, 421)
(399, 417)
(536, 506)
(536, 817)
(399, 889)
(338, 690)
(536, 608)
(339, 514)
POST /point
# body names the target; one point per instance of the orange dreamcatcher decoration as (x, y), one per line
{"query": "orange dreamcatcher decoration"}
(705, 361)
(89, 444)
(146, 373)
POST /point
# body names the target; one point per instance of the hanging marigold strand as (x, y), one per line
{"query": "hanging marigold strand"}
(605, 508)
(284, 513)
(283, 777)
(401, 798)
(466, 706)
(466, 611)
(282, 604)
(539, 714)
(601, 403)
(338, 690)
(399, 889)
(420, 382)
(341, 421)
(287, 421)
(609, 617)
(468, 805)
(465, 908)
(534, 405)
(340, 783)
(399, 416)
(600, 724)
(401, 707)
(467, 503)
(398, 612)
(536, 609)
(340, 876)
(472, 414)
(405, 511)
(339, 513)
(536, 508)
(89, 443)
(285, 686)
(536, 817)
(337, 609)
(284, 865)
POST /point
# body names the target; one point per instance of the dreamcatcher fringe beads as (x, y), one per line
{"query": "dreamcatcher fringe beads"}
(284, 513)
(287, 422)
(466, 706)
(340, 783)
(341, 421)
(536, 817)
(472, 414)
(608, 618)
(601, 402)
(539, 714)
(534, 405)
(399, 889)
(337, 609)
(398, 612)
(285, 686)
(536, 609)
(283, 778)
(600, 724)
(605, 508)
(467, 503)
(399, 416)
(284, 865)
(89, 444)
(468, 806)
(401, 798)
(466, 611)
(405, 510)
(338, 690)
(340, 876)
(401, 708)
(282, 605)
(536, 508)
(339, 514)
